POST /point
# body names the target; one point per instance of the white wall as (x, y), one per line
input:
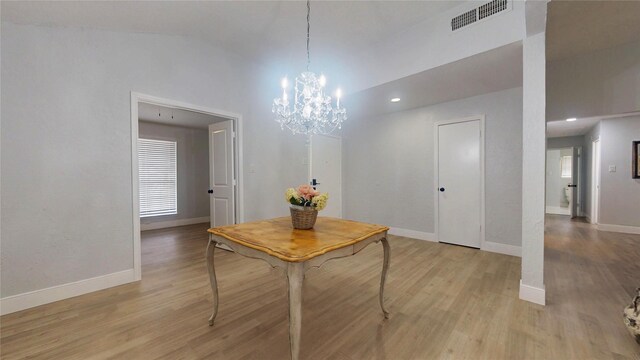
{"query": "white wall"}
(619, 192)
(431, 43)
(565, 142)
(390, 157)
(601, 83)
(66, 143)
(192, 169)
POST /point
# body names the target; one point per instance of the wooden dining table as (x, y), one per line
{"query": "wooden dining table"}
(296, 251)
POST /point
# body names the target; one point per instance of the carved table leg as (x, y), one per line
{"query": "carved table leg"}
(383, 278)
(295, 275)
(212, 277)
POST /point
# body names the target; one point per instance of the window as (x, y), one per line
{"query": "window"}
(158, 177)
(565, 166)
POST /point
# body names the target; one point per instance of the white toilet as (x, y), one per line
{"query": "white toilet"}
(567, 194)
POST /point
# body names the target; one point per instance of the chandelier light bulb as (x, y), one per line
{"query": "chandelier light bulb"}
(285, 82)
(323, 80)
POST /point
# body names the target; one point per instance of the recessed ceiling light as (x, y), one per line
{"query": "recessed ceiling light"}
(572, 119)
(395, 99)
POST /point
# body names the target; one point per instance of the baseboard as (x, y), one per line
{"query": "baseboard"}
(502, 248)
(557, 210)
(420, 235)
(619, 228)
(35, 298)
(532, 294)
(173, 223)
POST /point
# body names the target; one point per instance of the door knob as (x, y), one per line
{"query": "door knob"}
(210, 191)
(441, 189)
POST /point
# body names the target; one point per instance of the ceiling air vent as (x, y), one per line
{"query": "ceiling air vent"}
(491, 8)
(479, 13)
(463, 20)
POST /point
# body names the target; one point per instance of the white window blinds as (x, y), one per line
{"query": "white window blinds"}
(158, 177)
(565, 166)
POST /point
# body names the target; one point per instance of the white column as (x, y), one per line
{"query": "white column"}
(533, 168)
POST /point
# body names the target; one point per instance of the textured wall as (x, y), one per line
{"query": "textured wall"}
(431, 43)
(565, 142)
(389, 161)
(619, 192)
(66, 142)
(192, 168)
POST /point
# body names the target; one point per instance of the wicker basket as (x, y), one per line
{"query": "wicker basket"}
(303, 217)
(632, 316)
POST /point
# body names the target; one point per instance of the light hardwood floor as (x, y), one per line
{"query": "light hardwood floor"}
(445, 302)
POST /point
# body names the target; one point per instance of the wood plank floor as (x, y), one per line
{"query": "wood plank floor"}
(446, 302)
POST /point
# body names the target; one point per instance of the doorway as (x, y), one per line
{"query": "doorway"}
(325, 170)
(459, 180)
(563, 181)
(595, 181)
(224, 158)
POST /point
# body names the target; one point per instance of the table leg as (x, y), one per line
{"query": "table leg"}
(212, 278)
(295, 275)
(383, 278)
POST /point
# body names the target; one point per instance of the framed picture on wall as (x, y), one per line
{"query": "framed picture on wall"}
(635, 159)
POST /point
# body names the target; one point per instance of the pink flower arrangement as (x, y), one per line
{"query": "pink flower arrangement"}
(307, 192)
(306, 195)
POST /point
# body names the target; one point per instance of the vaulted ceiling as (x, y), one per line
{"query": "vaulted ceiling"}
(274, 33)
(259, 30)
(580, 27)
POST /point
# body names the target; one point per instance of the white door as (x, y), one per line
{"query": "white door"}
(326, 169)
(595, 181)
(575, 175)
(459, 183)
(221, 173)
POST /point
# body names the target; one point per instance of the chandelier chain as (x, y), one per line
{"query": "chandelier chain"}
(308, 30)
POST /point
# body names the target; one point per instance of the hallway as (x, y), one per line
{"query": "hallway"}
(590, 277)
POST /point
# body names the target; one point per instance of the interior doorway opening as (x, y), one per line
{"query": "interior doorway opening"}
(564, 181)
(198, 160)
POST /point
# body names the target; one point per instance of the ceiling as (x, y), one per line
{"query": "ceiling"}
(580, 27)
(266, 31)
(487, 72)
(175, 117)
(562, 128)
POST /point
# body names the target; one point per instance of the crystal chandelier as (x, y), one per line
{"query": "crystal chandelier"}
(310, 111)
